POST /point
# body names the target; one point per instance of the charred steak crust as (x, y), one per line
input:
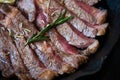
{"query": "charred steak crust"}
(69, 46)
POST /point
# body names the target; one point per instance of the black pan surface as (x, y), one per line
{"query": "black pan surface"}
(107, 42)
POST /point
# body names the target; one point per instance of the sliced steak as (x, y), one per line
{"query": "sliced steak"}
(74, 39)
(35, 67)
(61, 46)
(28, 7)
(99, 15)
(86, 28)
(61, 43)
(49, 60)
(73, 7)
(85, 12)
(16, 61)
(17, 23)
(44, 50)
(46, 59)
(68, 53)
(78, 40)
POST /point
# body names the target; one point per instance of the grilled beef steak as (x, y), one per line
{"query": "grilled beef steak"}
(85, 12)
(68, 53)
(69, 44)
(48, 59)
(71, 35)
(11, 51)
(86, 28)
(35, 67)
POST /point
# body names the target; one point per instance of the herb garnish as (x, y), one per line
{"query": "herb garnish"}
(40, 36)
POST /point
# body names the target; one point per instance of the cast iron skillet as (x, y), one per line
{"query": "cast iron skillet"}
(107, 42)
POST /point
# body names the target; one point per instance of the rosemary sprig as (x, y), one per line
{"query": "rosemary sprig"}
(40, 36)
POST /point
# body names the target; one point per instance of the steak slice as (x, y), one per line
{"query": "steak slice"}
(74, 37)
(86, 12)
(73, 7)
(100, 15)
(61, 43)
(16, 61)
(17, 23)
(86, 28)
(35, 67)
(68, 53)
(50, 59)
(28, 7)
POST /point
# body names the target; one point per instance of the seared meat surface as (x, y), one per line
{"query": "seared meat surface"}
(9, 49)
(85, 12)
(69, 44)
(27, 7)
